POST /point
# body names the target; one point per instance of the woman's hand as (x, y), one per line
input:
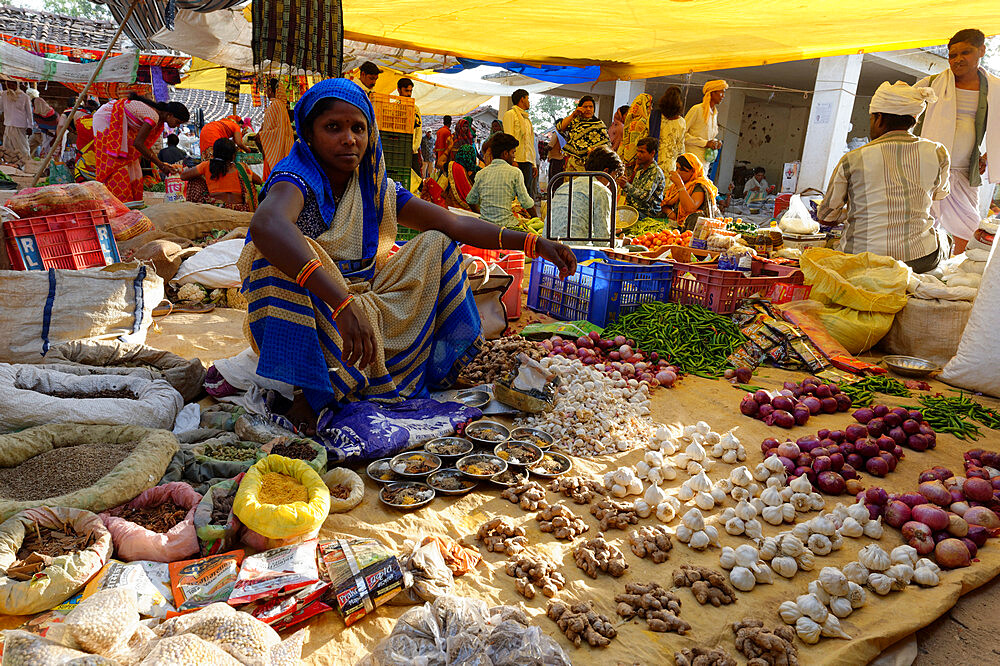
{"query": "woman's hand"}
(558, 254)
(676, 179)
(358, 336)
(174, 168)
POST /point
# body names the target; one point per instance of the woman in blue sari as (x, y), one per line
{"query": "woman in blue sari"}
(329, 310)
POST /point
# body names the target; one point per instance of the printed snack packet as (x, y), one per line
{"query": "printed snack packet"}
(302, 614)
(203, 581)
(277, 610)
(154, 597)
(276, 572)
(363, 575)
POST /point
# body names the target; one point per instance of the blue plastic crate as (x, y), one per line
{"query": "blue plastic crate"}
(600, 292)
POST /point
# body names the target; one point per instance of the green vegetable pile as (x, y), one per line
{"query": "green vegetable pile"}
(691, 337)
(956, 415)
(862, 393)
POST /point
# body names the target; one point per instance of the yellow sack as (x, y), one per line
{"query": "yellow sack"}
(282, 521)
(857, 331)
(866, 282)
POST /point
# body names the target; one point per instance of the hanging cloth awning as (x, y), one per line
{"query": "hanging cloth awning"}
(18, 63)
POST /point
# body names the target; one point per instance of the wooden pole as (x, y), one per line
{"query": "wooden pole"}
(93, 77)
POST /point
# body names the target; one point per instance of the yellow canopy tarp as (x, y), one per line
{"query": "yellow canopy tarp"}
(633, 39)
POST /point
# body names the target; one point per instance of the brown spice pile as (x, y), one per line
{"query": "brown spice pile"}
(62, 470)
(222, 506)
(122, 393)
(41, 545)
(294, 449)
(498, 358)
(340, 492)
(160, 518)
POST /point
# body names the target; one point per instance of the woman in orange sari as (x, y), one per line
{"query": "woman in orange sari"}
(449, 186)
(125, 131)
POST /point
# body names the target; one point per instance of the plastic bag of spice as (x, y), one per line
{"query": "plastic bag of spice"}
(346, 489)
(103, 623)
(275, 572)
(224, 450)
(204, 581)
(151, 598)
(214, 521)
(281, 501)
(298, 448)
(157, 525)
(21, 648)
(222, 416)
(200, 476)
(48, 555)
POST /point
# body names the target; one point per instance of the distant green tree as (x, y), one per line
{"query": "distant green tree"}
(992, 59)
(78, 9)
(545, 110)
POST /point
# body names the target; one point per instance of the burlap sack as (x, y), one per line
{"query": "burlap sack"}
(192, 220)
(911, 333)
(44, 308)
(128, 247)
(187, 376)
(166, 257)
(140, 470)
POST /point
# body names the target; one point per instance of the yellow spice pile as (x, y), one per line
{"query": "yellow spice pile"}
(278, 488)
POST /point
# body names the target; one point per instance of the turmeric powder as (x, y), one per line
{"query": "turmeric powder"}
(278, 488)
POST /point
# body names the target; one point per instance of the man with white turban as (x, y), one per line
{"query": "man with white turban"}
(702, 122)
(883, 191)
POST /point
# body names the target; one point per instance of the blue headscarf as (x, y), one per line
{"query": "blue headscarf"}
(371, 172)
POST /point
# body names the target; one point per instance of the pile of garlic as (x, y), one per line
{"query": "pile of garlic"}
(787, 554)
(825, 532)
(593, 413)
(656, 500)
(661, 440)
(623, 482)
(884, 572)
(701, 489)
(655, 469)
(694, 439)
(695, 533)
(744, 484)
(742, 520)
(810, 613)
(746, 569)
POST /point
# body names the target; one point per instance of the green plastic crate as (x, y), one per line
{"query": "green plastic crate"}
(397, 149)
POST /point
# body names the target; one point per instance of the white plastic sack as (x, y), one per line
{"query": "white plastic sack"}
(929, 287)
(213, 267)
(240, 372)
(41, 309)
(29, 397)
(976, 366)
(797, 219)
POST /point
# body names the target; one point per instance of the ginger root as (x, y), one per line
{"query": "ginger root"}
(652, 541)
(561, 521)
(707, 585)
(499, 535)
(699, 656)
(580, 622)
(530, 495)
(598, 555)
(656, 605)
(614, 515)
(580, 489)
(763, 647)
(531, 569)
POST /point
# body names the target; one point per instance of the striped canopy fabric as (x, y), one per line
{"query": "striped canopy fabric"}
(304, 34)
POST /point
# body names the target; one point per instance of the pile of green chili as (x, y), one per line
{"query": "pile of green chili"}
(956, 415)
(862, 393)
(691, 337)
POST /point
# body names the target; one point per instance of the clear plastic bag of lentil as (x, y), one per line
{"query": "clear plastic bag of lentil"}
(103, 623)
(23, 648)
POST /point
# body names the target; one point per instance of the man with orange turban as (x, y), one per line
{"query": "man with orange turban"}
(703, 123)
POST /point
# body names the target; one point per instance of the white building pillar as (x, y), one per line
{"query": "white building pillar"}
(505, 105)
(730, 122)
(626, 91)
(829, 119)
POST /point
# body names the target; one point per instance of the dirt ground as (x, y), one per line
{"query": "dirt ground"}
(964, 636)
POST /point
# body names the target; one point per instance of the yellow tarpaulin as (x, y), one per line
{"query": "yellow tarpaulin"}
(640, 38)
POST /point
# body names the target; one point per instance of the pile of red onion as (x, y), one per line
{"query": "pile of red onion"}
(617, 355)
(832, 459)
(984, 464)
(795, 403)
(941, 519)
(904, 427)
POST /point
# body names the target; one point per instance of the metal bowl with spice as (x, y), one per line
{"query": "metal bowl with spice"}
(518, 453)
(380, 471)
(510, 477)
(449, 449)
(481, 466)
(406, 495)
(539, 438)
(450, 481)
(415, 464)
(551, 465)
(487, 434)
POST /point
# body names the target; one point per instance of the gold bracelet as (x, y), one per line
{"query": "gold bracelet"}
(500, 239)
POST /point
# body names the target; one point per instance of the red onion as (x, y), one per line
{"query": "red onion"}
(892, 420)
(770, 442)
(935, 492)
(876, 495)
(787, 462)
(667, 378)
(614, 356)
(956, 494)
(941, 536)
(995, 481)
(897, 513)
(889, 459)
(854, 432)
(912, 499)
(980, 515)
(822, 464)
(619, 340)
(782, 402)
(880, 410)
(910, 427)
(956, 526)
(820, 451)
(959, 508)
(898, 435)
(765, 410)
(804, 460)
(837, 435)
(807, 443)
(762, 397)
(952, 554)
(801, 415)
(976, 472)
(808, 471)
(866, 448)
(897, 452)
(823, 391)
(855, 460)
(837, 462)
(979, 490)
(863, 415)
(978, 534)
(828, 405)
(971, 545)
(874, 510)
(847, 448)
(743, 375)
(830, 483)
(844, 402)
(901, 412)
(877, 466)
(830, 447)
(919, 536)
(916, 415)
(584, 342)
(875, 427)
(822, 433)
(931, 515)
(885, 443)
(812, 404)
(789, 450)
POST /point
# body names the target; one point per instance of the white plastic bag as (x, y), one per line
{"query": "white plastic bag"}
(214, 267)
(797, 219)
(976, 365)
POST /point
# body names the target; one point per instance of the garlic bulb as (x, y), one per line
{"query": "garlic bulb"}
(773, 464)
(901, 573)
(881, 583)
(856, 572)
(745, 511)
(772, 515)
(819, 544)
(904, 555)
(725, 485)
(822, 525)
(818, 501)
(841, 607)
(770, 497)
(836, 541)
(684, 533)
(753, 529)
(769, 548)
(718, 494)
(874, 558)
(742, 578)
(852, 528)
(685, 493)
(695, 451)
(873, 528)
(785, 494)
(735, 526)
(788, 512)
(694, 468)
(699, 540)
(801, 502)
(926, 577)
(763, 573)
(856, 594)
(833, 581)
(784, 566)
(859, 512)
(702, 428)
(816, 589)
(740, 494)
(704, 501)
(800, 484)
(756, 503)
(761, 473)
(730, 457)
(666, 511)
(642, 469)
(694, 520)
(727, 558)
(923, 562)
(806, 560)
(700, 483)
(801, 532)
(832, 629)
(790, 545)
(746, 555)
(713, 535)
(642, 508)
(807, 630)
(812, 607)
(775, 481)
(789, 612)
(740, 476)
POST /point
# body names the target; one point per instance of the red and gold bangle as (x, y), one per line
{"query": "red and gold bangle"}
(530, 240)
(340, 308)
(307, 269)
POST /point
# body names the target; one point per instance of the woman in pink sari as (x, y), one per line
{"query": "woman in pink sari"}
(126, 130)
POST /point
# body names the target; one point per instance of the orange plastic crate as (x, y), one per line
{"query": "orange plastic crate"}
(393, 113)
(81, 239)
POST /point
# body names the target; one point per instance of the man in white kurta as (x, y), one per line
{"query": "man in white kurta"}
(702, 123)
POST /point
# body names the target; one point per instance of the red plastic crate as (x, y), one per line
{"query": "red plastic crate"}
(490, 256)
(75, 240)
(512, 263)
(721, 291)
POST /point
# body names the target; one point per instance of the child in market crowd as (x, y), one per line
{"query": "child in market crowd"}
(757, 188)
(499, 184)
(645, 192)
